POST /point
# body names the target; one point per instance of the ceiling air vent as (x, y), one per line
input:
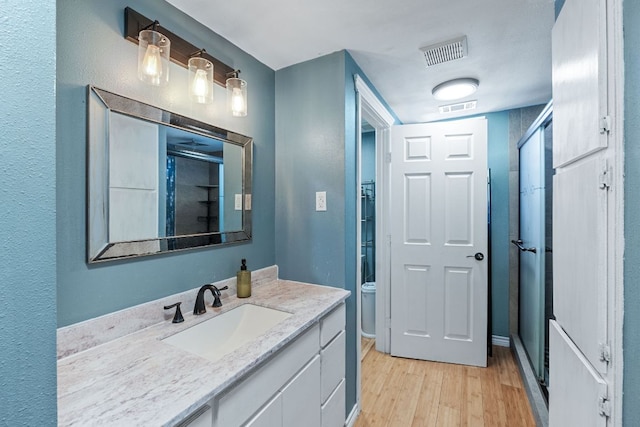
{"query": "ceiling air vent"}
(446, 51)
(462, 106)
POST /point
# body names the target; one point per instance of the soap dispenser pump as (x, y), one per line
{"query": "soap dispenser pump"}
(244, 281)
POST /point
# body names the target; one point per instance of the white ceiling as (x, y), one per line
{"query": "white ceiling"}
(509, 44)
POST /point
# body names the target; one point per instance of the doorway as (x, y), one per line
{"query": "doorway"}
(368, 231)
(375, 119)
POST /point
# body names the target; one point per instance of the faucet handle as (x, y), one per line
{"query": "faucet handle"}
(177, 318)
(216, 296)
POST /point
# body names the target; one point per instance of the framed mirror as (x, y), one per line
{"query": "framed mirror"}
(160, 182)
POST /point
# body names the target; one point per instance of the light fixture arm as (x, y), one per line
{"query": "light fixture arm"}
(153, 26)
(233, 74)
(198, 52)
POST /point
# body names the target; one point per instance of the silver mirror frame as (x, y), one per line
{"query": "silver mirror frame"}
(99, 104)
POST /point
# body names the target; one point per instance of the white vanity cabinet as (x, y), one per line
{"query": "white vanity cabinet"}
(301, 385)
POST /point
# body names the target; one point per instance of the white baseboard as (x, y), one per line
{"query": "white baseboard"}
(500, 341)
(351, 419)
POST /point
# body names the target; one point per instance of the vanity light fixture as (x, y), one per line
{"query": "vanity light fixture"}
(200, 78)
(181, 53)
(455, 89)
(153, 56)
(237, 94)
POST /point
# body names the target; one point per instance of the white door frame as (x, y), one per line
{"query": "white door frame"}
(369, 108)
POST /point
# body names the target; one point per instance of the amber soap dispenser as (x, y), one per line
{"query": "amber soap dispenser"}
(244, 281)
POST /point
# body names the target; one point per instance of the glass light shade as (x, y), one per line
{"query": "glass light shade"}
(153, 57)
(201, 80)
(455, 89)
(237, 96)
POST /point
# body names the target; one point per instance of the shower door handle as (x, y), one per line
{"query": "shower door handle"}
(519, 242)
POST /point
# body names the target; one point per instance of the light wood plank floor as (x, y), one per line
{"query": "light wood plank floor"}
(400, 392)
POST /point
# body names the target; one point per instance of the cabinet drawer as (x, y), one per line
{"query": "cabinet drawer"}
(301, 398)
(332, 366)
(270, 415)
(334, 408)
(331, 325)
(250, 394)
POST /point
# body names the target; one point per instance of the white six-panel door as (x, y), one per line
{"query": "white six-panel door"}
(438, 225)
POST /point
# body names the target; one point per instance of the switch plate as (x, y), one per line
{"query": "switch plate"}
(321, 201)
(238, 202)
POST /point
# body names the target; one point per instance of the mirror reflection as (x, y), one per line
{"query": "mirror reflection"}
(160, 182)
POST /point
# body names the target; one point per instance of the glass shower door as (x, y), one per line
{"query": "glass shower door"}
(532, 250)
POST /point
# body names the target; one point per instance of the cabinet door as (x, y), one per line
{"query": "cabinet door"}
(270, 415)
(576, 391)
(579, 80)
(301, 397)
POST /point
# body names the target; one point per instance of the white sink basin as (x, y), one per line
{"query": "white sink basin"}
(226, 332)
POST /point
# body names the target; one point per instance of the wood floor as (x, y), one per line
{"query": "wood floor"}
(400, 392)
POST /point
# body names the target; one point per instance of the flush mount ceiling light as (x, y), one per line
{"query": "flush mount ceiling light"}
(455, 89)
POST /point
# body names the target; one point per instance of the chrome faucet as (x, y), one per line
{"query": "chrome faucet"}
(199, 307)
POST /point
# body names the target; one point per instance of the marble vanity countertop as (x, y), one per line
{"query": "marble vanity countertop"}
(138, 379)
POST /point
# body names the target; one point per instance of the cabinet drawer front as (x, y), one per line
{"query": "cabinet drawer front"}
(251, 393)
(301, 398)
(331, 325)
(334, 408)
(333, 365)
(270, 415)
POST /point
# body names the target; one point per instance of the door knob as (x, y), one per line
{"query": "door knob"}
(479, 256)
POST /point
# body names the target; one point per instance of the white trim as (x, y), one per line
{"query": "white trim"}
(369, 107)
(615, 101)
(353, 416)
(373, 101)
(500, 341)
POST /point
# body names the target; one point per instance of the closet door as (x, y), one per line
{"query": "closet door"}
(578, 382)
(578, 388)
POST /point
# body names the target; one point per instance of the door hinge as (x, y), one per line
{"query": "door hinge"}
(389, 240)
(605, 124)
(605, 179)
(388, 157)
(605, 353)
(387, 322)
(604, 406)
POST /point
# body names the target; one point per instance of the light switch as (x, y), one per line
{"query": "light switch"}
(321, 200)
(238, 202)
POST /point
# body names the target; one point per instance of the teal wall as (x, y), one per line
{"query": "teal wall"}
(498, 161)
(316, 150)
(368, 160)
(311, 154)
(631, 337)
(28, 220)
(92, 50)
